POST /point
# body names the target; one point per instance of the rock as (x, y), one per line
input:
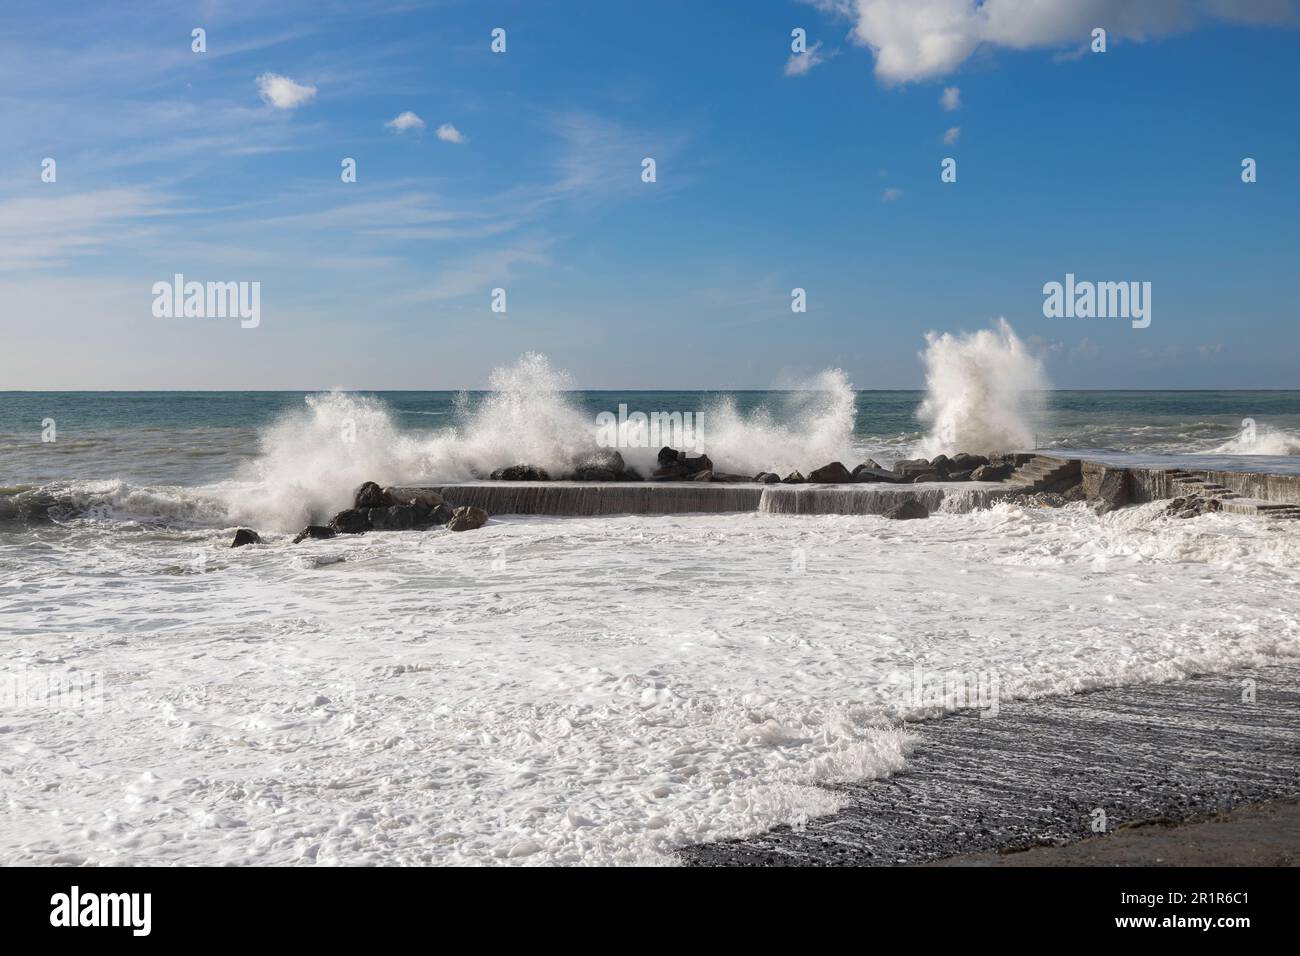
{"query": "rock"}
(467, 519)
(370, 495)
(794, 478)
(868, 463)
(964, 462)
(607, 459)
(835, 473)
(604, 464)
(681, 468)
(907, 469)
(411, 496)
(673, 472)
(1193, 506)
(906, 510)
(440, 515)
(394, 518)
(668, 456)
(862, 473)
(958, 476)
(941, 464)
(917, 477)
(245, 536)
(991, 472)
(702, 476)
(352, 521)
(767, 478)
(519, 473)
(314, 531)
(1112, 491)
(729, 478)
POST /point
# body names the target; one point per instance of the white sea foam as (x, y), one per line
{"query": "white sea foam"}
(1264, 441)
(570, 690)
(983, 391)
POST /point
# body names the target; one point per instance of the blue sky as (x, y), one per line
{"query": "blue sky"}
(821, 174)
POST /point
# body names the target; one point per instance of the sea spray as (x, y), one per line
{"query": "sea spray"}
(983, 391)
(814, 427)
(313, 458)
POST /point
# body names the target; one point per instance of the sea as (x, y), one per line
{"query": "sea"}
(562, 690)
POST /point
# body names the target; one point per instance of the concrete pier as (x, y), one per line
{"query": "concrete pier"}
(574, 498)
(1241, 490)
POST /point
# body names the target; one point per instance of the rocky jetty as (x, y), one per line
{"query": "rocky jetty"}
(395, 509)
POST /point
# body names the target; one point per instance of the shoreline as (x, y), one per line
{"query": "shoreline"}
(978, 791)
(1262, 833)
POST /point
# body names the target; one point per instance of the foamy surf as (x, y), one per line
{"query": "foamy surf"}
(621, 687)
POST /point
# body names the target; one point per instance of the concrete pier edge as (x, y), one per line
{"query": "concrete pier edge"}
(1244, 492)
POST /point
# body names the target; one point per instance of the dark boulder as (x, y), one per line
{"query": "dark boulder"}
(727, 477)
(794, 478)
(702, 476)
(863, 473)
(370, 495)
(906, 510)
(467, 519)
(668, 456)
(958, 476)
(604, 464)
(991, 472)
(834, 473)
(314, 531)
(411, 496)
(395, 518)
(941, 464)
(964, 462)
(696, 464)
(917, 477)
(520, 473)
(868, 463)
(673, 472)
(245, 536)
(767, 478)
(352, 521)
(910, 467)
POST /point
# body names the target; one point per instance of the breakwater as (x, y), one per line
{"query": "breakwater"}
(1253, 492)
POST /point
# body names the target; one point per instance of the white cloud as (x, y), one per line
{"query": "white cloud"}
(892, 194)
(801, 64)
(926, 39)
(951, 134)
(450, 134)
(282, 92)
(951, 98)
(404, 121)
